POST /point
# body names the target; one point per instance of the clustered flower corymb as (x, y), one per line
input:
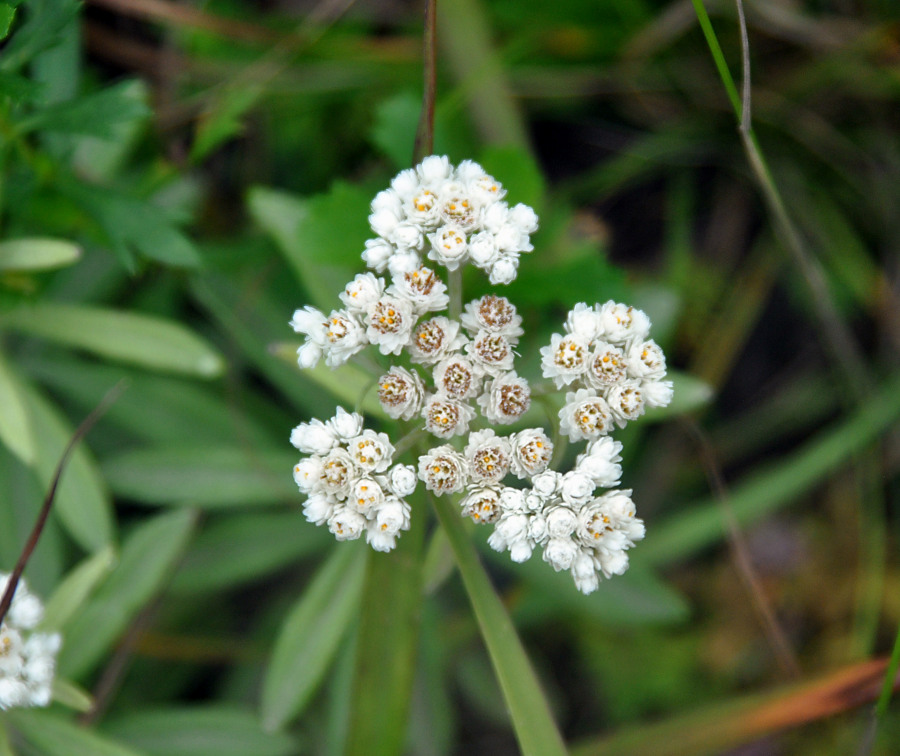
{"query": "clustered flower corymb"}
(27, 658)
(458, 380)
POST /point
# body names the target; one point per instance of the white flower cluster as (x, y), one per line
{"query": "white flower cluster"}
(616, 369)
(348, 479)
(459, 377)
(452, 215)
(27, 659)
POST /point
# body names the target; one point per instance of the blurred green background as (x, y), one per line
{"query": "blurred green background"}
(177, 178)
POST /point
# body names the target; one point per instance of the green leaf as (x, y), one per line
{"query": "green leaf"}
(311, 635)
(69, 694)
(37, 254)
(777, 485)
(207, 731)
(531, 718)
(394, 128)
(15, 424)
(148, 557)
(42, 29)
(51, 735)
(143, 340)
(82, 502)
(131, 223)
(223, 119)
(387, 648)
(7, 16)
(76, 588)
(204, 476)
(242, 547)
(99, 114)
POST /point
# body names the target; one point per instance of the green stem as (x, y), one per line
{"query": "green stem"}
(454, 289)
(887, 687)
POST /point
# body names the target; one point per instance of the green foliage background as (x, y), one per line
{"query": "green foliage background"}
(176, 179)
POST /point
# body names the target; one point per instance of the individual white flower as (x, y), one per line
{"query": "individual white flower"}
(482, 504)
(494, 216)
(585, 415)
(312, 323)
(377, 254)
(468, 171)
(435, 339)
(423, 209)
(346, 525)
(584, 573)
(626, 402)
(560, 553)
(407, 236)
(489, 456)
(387, 199)
(362, 291)
(510, 238)
(583, 320)
(402, 480)
(494, 314)
(345, 425)
(607, 366)
(445, 417)
(457, 377)
(423, 289)
(319, 508)
(546, 484)
(565, 359)
(338, 473)
(492, 352)
(448, 247)
(511, 532)
(344, 337)
(485, 190)
(384, 220)
(443, 470)
(406, 184)
(434, 169)
(483, 250)
(401, 393)
(577, 488)
(371, 451)
(26, 610)
(366, 495)
(314, 437)
(392, 517)
(524, 218)
(600, 461)
(561, 522)
(646, 360)
(505, 399)
(657, 393)
(458, 209)
(307, 474)
(532, 451)
(403, 261)
(622, 323)
(504, 270)
(389, 323)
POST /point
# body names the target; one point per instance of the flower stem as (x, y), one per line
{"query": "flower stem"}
(424, 144)
(454, 289)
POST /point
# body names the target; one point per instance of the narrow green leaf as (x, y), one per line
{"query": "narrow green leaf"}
(137, 339)
(204, 476)
(387, 648)
(15, 424)
(311, 635)
(777, 485)
(531, 718)
(238, 548)
(37, 254)
(71, 594)
(82, 502)
(208, 731)
(51, 735)
(97, 114)
(69, 694)
(7, 15)
(148, 557)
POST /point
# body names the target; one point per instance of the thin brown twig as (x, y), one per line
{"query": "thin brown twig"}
(424, 144)
(35, 536)
(776, 636)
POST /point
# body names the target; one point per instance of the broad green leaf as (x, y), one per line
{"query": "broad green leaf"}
(531, 717)
(387, 648)
(776, 485)
(200, 731)
(41, 30)
(15, 424)
(138, 339)
(238, 548)
(82, 502)
(75, 589)
(51, 735)
(321, 238)
(147, 560)
(98, 114)
(69, 694)
(218, 476)
(311, 635)
(394, 129)
(37, 254)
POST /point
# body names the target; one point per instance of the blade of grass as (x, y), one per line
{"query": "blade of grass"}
(531, 718)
